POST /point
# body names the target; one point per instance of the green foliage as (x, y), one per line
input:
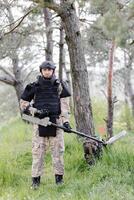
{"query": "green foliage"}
(125, 118)
(97, 48)
(99, 114)
(8, 96)
(131, 8)
(114, 19)
(114, 25)
(101, 6)
(15, 154)
(111, 178)
(99, 110)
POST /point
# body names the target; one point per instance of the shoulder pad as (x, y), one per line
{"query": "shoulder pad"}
(65, 90)
(28, 92)
(30, 86)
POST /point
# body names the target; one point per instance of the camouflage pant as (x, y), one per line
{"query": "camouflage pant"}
(39, 147)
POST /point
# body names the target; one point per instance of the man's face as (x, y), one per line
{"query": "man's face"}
(47, 73)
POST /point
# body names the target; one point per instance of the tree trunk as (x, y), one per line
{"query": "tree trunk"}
(62, 64)
(71, 102)
(17, 73)
(61, 53)
(132, 103)
(49, 34)
(80, 81)
(127, 80)
(127, 115)
(129, 87)
(14, 58)
(109, 92)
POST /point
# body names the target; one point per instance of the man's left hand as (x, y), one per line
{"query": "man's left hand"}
(67, 127)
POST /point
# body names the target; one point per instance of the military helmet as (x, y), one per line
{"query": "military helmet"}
(47, 64)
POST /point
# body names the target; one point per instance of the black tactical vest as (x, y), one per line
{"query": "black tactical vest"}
(45, 93)
(47, 97)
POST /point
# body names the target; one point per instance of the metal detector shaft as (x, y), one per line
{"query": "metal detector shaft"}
(77, 133)
(108, 142)
(45, 122)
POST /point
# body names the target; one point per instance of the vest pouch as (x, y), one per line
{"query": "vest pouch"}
(49, 131)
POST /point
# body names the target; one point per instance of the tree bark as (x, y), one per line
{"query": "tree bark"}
(49, 34)
(14, 58)
(62, 64)
(61, 53)
(127, 115)
(80, 81)
(128, 81)
(17, 73)
(132, 102)
(7, 80)
(109, 92)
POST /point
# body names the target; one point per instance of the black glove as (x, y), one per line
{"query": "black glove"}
(42, 113)
(67, 127)
(26, 111)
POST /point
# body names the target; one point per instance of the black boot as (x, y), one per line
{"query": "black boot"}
(59, 179)
(35, 182)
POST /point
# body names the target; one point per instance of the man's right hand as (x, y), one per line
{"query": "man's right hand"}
(29, 110)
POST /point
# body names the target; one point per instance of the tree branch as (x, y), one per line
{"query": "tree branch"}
(21, 20)
(53, 6)
(49, 4)
(7, 72)
(7, 80)
(115, 100)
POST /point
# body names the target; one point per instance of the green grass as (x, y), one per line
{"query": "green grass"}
(112, 178)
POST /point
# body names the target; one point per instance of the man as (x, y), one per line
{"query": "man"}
(46, 98)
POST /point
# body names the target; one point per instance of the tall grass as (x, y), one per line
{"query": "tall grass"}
(112, 178)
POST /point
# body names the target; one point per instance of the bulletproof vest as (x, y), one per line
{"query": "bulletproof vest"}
(47, 96)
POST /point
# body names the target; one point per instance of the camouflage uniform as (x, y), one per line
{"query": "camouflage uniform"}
(56, 144)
